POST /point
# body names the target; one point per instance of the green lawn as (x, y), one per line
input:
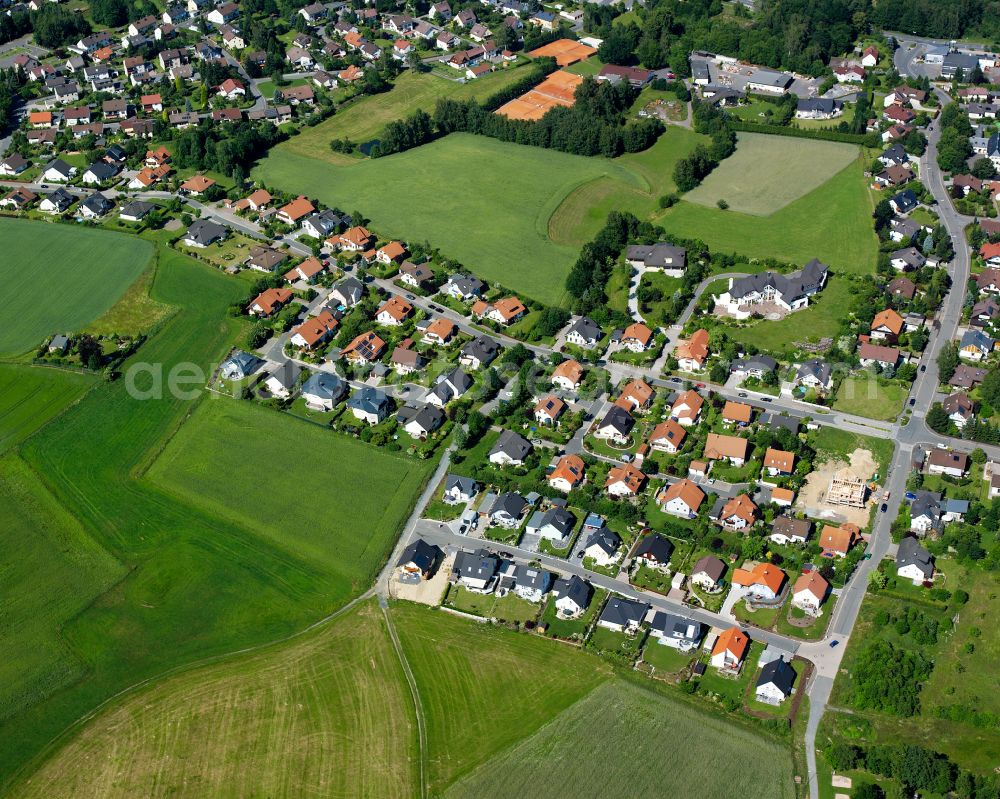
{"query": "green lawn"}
(30, 396)
(364, 119)
(821, 319)
(60, 278)
(832, 222)
(876, 399)
(496, 228)
(624, 734)
(196, 583)
(346, 521)
(766, 173)
(329, 714)
(484, 688)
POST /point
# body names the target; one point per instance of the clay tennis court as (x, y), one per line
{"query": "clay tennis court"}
(557, 89)
(564, 51)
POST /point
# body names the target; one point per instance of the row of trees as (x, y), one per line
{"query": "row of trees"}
(229, 149)
(692, 169)
(954, 148)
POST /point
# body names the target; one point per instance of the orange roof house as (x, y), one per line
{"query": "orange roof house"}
(197, 184)
(687, 407)
(990, 251)
(268, 301)
(777, 461)
(440, 331)
(314, 331)
(810, 589)
(568, 374)
(365, 348)
(298, 208)
(637, 337)
(691, 354)
(394, 311)
(548, 409)
(766, 576)
(886, 324)
(354, 239)
(393, 251)
(307, 270)
(837, 541)
(160, 155)
(503, 311)
(730, 648)
(624, 480)
(637, 394)
(351, 74)
(739, 513)
(667, 436)
(738, 412)
(568, 474)
(40, 119)
(732, 448)
(682, 498)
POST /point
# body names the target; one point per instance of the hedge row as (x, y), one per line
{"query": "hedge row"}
(777, 130)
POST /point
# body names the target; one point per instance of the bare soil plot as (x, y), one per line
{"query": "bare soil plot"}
(564, 51)
(558, 88)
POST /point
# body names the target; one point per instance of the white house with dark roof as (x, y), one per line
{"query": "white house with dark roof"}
(790, 292)
(623, 615)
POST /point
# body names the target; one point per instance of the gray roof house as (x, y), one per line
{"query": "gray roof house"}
(584, 332)
(59, 343)
(904, 202)
(605, 539)
(507, 509)
(459, 489)
(204, 232)
(531, 583)
(99, 172)
(572, 595)
(906, 259)
(239, 365)
(418, 561)
(754, 365)
(135, 210)
(510, 448)
(655, 549)
(555, 524)
(475, 570)
(479, 352)
(775, 681)
(617, 423)
(814, 372)
(464, 287)
(369, 404)
(450, 386)
(913, 561)
(790, 290)
(676, 631)
(348, 292)
(777, 419)
(657, 256)
(323, 390)
(95, 205)
(420, 420)
(283, 379)
(623, 615)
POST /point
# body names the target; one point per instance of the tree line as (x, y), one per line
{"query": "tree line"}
(692, 169)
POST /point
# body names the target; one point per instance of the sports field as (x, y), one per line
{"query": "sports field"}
(31, 395)
(58, 278)
(324, 498)
(364, 119)
(484, 202)
(832, 222)
(766, 173)
(628, 740)
(327, 715)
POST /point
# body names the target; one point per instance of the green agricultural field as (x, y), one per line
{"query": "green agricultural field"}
(496, 226)
(333, 516)
(197, 583)
(30, 396)
(61, 278)
(329, 714)
(623, 739)
(766, 173)
(364, 119)
(876, 399)
(485, 688)
(832, 222)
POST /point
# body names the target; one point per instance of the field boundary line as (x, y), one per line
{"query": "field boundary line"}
(418, 706)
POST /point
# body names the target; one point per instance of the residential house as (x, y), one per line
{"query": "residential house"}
(479, 352)
(967, 377)
(904, 202)
(504, 312)
(778, 463)
(348, 292)
(282, 381)
(459, 490)
(624, 480)
(136, 211)
(602, 546)
(464, 287)
(530, 583)
(959, 408)
(555, 525)
(764, 582)
(204, 232)
(837, 541)
(370, 405)
(810, 591)
(56, 202)
(637, 337)
(664, 257)
(315, 331)
(584, 332)
(297, 209)
(510, 449)
(419, 420)
(58, 171)
(418, 561)
(572, 596)
(975, 345)
(569, 473)
(739, 513)
(448, 387)
(394, 312)
(440, 331)
(548, 410)
(623, 615)
(364, 349)
(737, 413)
(707, 573)
(815, 374)
(239, 366)
(323, 391)
(730, 649)
(667, 437)
(653, 550)
(307, 271)
(18, 198)
(914, 562)
(906, 259)
(321, 224)
(682, 499)
(790, 292)
(568, 375)
(774, 684)
(731, 448)
(687, 408)
(475, 571)
(874, 354)
(95, 206)
(676, 631)
(507, 510)
(953, 464)
(99, 173)
(692, 353)
(789, 530)
(636, 396)
(417, 275)
(616, 426)
(886, 326)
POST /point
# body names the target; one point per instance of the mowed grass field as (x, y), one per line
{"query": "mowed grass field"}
(327, 715)
(364, 119)
(833, 222)
(766, 173)
(623, 739)
(484, 688)
(870, 397)
(324, 498)
(174, 583)
(483, 202)
(59, 278)
(31, 395)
